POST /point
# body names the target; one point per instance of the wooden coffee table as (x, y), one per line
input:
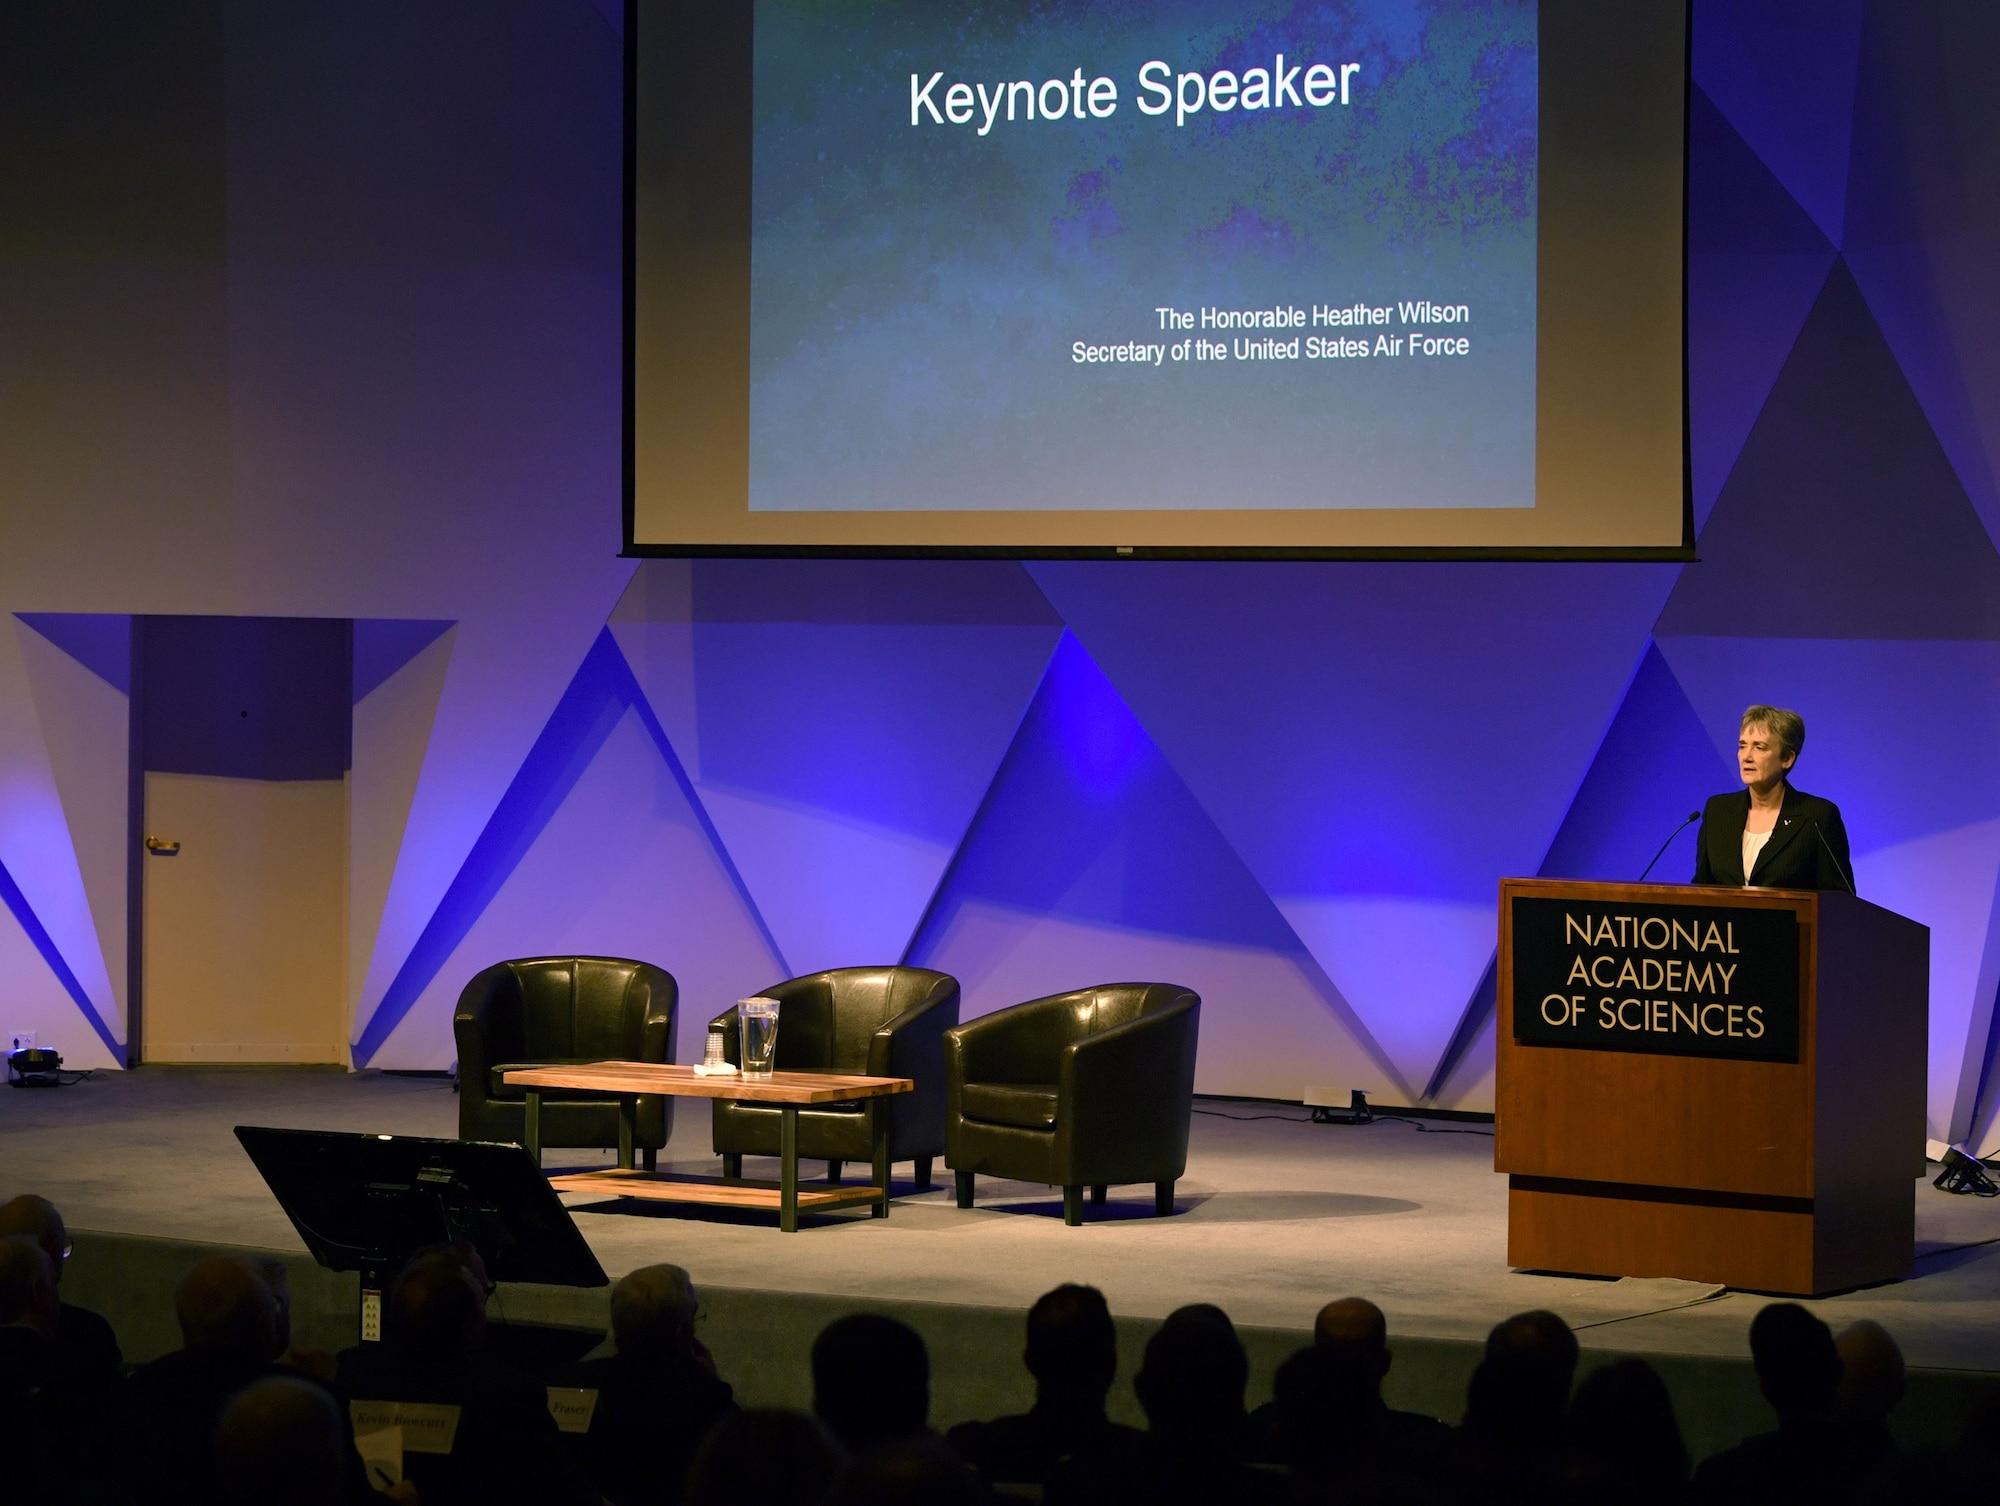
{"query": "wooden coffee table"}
(629, 1081)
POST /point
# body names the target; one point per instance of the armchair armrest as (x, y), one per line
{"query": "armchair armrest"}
(1133, 1083)
(468, 1030)
(658, 995)
(912, 1045)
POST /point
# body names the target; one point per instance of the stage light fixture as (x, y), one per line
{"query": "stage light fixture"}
(1962, 1174)
(1328, 1110)
(34, 1067)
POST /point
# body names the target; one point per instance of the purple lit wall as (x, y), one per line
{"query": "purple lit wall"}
(335, 333)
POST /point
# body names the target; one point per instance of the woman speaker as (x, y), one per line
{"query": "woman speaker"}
(1768, 834)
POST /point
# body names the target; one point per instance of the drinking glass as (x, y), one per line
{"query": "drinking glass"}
(758, 1020)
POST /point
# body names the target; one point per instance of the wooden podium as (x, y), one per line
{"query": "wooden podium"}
(1723, 1085)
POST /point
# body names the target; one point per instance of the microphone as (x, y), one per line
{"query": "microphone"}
(1844, 877)
(1693, 816)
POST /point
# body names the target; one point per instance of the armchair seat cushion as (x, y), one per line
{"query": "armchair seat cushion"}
(499, 1087)
(1025, 1105)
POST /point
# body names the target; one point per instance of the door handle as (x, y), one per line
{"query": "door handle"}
(159, 848)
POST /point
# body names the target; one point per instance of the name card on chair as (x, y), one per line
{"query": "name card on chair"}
(572, 1407)
(428, 1427)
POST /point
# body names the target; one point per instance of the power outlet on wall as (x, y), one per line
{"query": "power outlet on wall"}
(20, 1040)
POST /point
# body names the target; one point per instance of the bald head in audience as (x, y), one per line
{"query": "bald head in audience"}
(27, 1285)
(280, 1440)
(225, 1304)
(1541, 1344)
(1355, 1326)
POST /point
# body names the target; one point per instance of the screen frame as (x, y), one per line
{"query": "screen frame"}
(1682, 553)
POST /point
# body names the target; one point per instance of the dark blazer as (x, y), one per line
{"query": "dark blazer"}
(651, 1418)
(1793, 858)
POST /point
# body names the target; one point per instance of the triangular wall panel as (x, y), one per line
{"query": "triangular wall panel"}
(38, 1002)
(1656, 766)
(383, 645)
(506, 674)
(597, 697)
(1938, 309)
(391, 730)
(1980, 1073)
(625, 868)
(100, 641)
(1923, 220)
(654, 625)
(86, 727)
(1950, 881)
(1842, 518)
(1756, 263)
(840, 721)
(1468, 1084)
(1091, 863)
(1380, 743)
(36, 847)
(1784, 72)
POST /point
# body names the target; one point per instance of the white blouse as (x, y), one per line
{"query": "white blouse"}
(1753, 843)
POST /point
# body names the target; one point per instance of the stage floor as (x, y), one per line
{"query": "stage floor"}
(1276, 1215)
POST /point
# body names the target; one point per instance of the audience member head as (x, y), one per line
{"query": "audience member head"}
(27, 1285)
(1622, 1421)
(1355, 1324)
(1194, 1375)
(436, 1307)
(871, 1380)
(1871, 1373)
(1072, 1346)
(762, 1459)
(1542, 1341)
(1324, 1396)
(36, 1218)
(917, 1471)
(1798, 1365)
(653, 1311)
(1520, 1392)
(280, 1443)
(224, 1305)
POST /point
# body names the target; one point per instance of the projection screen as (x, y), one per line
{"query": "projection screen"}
(1212, 278)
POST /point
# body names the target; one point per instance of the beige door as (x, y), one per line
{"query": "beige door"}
(246, 925)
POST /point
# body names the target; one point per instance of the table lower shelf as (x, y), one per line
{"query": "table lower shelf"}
(659, 1188)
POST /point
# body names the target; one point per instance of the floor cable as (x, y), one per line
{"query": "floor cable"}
(1706, 1297)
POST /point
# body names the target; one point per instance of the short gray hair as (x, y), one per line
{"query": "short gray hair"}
(649, 1305)
(1787, 726)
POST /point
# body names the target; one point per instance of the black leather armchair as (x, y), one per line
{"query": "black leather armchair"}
(561, 1011)
(1077, 1090)
(881, 1021)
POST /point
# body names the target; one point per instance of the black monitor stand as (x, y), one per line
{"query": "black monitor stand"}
(367, 1203)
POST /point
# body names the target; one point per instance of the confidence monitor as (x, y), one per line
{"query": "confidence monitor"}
(1168, 277)
(368, 1202)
